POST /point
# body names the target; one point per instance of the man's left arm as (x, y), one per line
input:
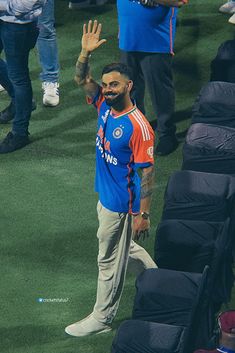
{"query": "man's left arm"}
(141, 222)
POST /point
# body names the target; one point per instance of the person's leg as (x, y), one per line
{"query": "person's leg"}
(48, 55)
(17, 41)
(4, 79)
(114, 234)
(157, 70)
(8, 113)
(131, 59)
(139, 259)
(115, 247)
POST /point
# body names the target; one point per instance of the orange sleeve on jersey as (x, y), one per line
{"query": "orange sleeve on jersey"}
(142, 139)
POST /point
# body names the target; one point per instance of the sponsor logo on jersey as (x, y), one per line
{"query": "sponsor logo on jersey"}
(150, 152)
(105, 151)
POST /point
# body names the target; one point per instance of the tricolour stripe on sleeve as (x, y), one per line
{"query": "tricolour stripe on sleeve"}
(142, 123)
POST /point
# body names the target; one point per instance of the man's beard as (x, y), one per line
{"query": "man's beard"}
(115, 101)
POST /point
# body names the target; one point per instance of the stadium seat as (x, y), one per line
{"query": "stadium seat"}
(215, 104)
(209, 148)
(223, 65)
(199, 196)
(191, 245)
(168, 309)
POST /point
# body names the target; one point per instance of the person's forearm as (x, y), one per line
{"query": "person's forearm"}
(82, 75)
(147, 186)
(82, 68)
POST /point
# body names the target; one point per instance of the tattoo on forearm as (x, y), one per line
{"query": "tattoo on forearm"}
(147, 184)
(82, 71)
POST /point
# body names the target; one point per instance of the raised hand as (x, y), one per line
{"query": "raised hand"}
(91, 36)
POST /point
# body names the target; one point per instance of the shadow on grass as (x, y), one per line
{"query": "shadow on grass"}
(30, 336)
(54, 251)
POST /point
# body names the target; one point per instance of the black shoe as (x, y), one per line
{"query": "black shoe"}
(166, 145)
(7, 114)
(13, 142)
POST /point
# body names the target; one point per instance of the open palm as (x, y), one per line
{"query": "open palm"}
(91, 36)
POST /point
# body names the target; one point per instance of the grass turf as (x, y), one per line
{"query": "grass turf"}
(48, 206)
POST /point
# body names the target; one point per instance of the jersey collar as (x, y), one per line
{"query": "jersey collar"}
(124, 112)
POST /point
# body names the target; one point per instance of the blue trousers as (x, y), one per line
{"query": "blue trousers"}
(17, 40)
(47, 44)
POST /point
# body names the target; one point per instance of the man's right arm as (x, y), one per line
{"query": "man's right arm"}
(90, 42)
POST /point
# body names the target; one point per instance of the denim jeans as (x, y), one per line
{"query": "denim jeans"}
(4, 78)
(16, 40)
(47, 44)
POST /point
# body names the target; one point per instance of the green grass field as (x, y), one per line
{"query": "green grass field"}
(48, 206)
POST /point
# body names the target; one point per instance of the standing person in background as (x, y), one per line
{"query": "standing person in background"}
(18, 35)
(146, 39)
(48, 55)
(124, 145)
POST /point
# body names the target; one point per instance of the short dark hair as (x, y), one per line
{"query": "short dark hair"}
(123, 69)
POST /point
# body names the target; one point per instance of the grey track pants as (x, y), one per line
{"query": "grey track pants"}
(116, 249)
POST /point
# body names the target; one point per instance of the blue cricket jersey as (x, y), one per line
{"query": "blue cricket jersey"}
(124, 143)
(146, 29)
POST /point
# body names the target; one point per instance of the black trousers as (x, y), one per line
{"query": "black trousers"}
(154, 70)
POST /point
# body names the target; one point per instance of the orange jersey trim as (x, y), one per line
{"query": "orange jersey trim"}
(171, 31)
(142, 139)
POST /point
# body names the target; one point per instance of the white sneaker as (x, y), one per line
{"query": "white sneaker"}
(86, 3)
(232, 19)
(87, 326)
(2, 89)
(50, 94)
(228, 7)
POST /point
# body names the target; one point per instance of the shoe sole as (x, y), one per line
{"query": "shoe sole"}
(47, 104)
(90, 334)
(104, 331)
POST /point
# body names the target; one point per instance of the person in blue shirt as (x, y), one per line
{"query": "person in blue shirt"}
(146, 39)
(124, 144)
(18, 35)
